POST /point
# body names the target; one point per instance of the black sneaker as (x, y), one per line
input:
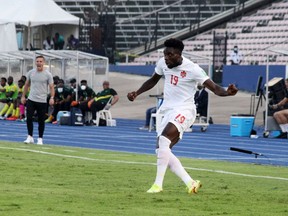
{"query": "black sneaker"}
(283, 135)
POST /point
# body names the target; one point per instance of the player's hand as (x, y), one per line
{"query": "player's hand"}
(131, 96)
(274, 106)
(23, 100)
(232, 90)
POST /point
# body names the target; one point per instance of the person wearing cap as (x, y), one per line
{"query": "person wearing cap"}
(100, 101)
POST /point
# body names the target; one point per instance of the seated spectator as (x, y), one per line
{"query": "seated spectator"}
(149, 112)
(99, 102)
(85, 93)
(73, 83)
(11, 95)
(58, 41)
(3, 87)
(152, 110)
(281, 116)
(62, 98)
(24, 78)
(235, 56)
(56, 80)
(72, 42)
(18, 111)
(48, 43)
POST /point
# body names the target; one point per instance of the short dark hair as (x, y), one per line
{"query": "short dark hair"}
(40, 56)
(3, 78)
(60, 81)
(174, 43)
(21, 81)
(83, 81)
(73, 80)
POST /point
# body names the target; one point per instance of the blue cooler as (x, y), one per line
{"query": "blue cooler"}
(62, 115)
(241, 125)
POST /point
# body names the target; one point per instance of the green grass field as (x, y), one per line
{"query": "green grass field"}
(52, 180)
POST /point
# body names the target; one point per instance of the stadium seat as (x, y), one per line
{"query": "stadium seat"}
(158, 118)
(106, 115)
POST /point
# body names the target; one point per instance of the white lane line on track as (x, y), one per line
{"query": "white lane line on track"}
(143, 163)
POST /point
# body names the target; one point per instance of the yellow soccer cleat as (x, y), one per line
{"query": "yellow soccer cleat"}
(194, 187)
(155, 189)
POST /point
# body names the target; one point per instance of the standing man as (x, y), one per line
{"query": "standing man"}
(181, 77)
(37, 79)
(201, 100)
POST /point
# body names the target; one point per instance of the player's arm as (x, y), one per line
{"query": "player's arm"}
(280, 104)
(52, 94)
(220, 91)
(147, 85)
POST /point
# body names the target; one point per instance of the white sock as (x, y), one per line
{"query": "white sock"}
(282, 126)
(177, 168)
(162, 159)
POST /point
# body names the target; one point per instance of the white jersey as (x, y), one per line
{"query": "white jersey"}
(180, 82)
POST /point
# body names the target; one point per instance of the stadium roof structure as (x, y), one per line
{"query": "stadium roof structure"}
(66, 64)
(50, 54)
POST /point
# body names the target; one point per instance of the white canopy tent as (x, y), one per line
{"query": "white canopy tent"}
(33, 13)
(8, 39)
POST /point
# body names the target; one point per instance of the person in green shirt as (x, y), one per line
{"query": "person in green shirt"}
(3, 87)
(17, 102)
(100, 101)
(63, 99)
(11, 96)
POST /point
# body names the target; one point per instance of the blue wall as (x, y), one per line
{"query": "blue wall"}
(145, 70)
(245, 77)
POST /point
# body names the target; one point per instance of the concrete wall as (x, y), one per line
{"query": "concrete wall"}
(244, 76)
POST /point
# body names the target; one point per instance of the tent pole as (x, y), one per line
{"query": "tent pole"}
(77, 76)
(29, 36)
(266, 93)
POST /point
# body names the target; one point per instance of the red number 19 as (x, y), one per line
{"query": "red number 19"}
(174, 80)
(180, 118)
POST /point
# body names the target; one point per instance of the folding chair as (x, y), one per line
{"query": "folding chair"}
(158, 116)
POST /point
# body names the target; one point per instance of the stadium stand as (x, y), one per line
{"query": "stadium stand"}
(252, 39)
(139, 22)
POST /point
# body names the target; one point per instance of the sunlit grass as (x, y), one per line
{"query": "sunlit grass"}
(52, 180)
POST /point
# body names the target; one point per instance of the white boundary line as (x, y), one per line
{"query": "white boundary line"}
(145, 163)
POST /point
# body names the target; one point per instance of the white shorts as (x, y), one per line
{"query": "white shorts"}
(181, 117)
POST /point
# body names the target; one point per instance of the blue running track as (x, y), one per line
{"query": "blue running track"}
(214, 144)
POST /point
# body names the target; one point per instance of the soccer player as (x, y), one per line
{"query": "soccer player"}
(181, 77)
(37, 79)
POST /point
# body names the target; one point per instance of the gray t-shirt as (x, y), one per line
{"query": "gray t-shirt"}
(39, 82)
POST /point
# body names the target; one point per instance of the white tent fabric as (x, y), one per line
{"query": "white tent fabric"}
(8, 39)
(35, 13)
